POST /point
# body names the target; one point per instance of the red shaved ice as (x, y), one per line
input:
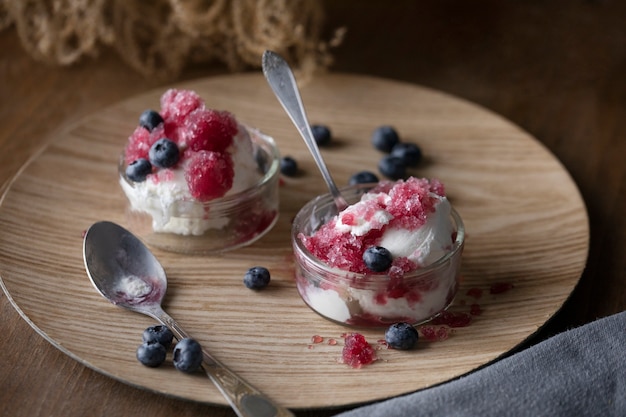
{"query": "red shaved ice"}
(177, 104)
(357, 351)
(140, 141)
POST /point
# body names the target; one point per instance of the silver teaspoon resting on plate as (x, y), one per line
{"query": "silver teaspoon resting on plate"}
(126, 273)
(283, 83)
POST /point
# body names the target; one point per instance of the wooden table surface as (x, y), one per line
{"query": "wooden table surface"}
(556, 70)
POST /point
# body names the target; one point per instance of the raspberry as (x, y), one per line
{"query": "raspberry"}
(177, 104)
(140, 141)
(209, 175)
(208, 130)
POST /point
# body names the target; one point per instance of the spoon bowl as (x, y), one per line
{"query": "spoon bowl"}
(122, 268)
(126, 273)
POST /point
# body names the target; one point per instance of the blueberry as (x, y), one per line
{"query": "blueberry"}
(151, 354)
(256, 278)
(377, 258)
(363, 177)
(384, 138)
(321, 134)
(402, 336)
(164, 153)
(392, 167)
(410, 153)
(187, 356)
(288, 166)
(150, 119)
(159, 334)
(138, 170)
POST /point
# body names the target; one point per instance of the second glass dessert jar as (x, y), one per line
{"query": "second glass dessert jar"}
(372, 300)
(222, 224)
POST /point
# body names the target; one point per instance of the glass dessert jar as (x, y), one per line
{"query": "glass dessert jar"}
(186, 225)
(372, 299)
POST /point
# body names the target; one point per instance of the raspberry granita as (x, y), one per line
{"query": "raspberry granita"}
(357, 351)
(393, 255)
(195, 172)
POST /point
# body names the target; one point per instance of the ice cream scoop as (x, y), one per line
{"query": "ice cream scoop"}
(126, 273)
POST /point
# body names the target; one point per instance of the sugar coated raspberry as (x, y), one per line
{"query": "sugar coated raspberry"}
(208, 130)
(140, 142)
(209, 175)
(177, 104)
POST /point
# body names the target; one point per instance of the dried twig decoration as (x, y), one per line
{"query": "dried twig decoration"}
(159, 37)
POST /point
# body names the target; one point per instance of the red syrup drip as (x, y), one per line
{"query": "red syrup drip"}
(452, 319)
(474, 293)
(500, 288)
(476, 310)
(434, 333)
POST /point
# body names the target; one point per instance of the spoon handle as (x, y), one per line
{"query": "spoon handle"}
(283, 83)
(244, 399)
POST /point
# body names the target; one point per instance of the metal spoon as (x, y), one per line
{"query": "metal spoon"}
(283, 83)
(126, 273)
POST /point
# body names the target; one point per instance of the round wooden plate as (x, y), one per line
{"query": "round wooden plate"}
(526, 226)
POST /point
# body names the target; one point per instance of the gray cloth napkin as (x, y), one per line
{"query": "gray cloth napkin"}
(580, 372)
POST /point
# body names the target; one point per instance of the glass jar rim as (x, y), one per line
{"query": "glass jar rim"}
(339, 275)
(227, 201)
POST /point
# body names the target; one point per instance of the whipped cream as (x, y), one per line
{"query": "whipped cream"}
(426, 244)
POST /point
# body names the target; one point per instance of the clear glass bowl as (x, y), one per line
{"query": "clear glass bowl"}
(366, 300)
(193, 227)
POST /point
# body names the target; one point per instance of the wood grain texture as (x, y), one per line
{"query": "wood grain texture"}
(525, 220)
